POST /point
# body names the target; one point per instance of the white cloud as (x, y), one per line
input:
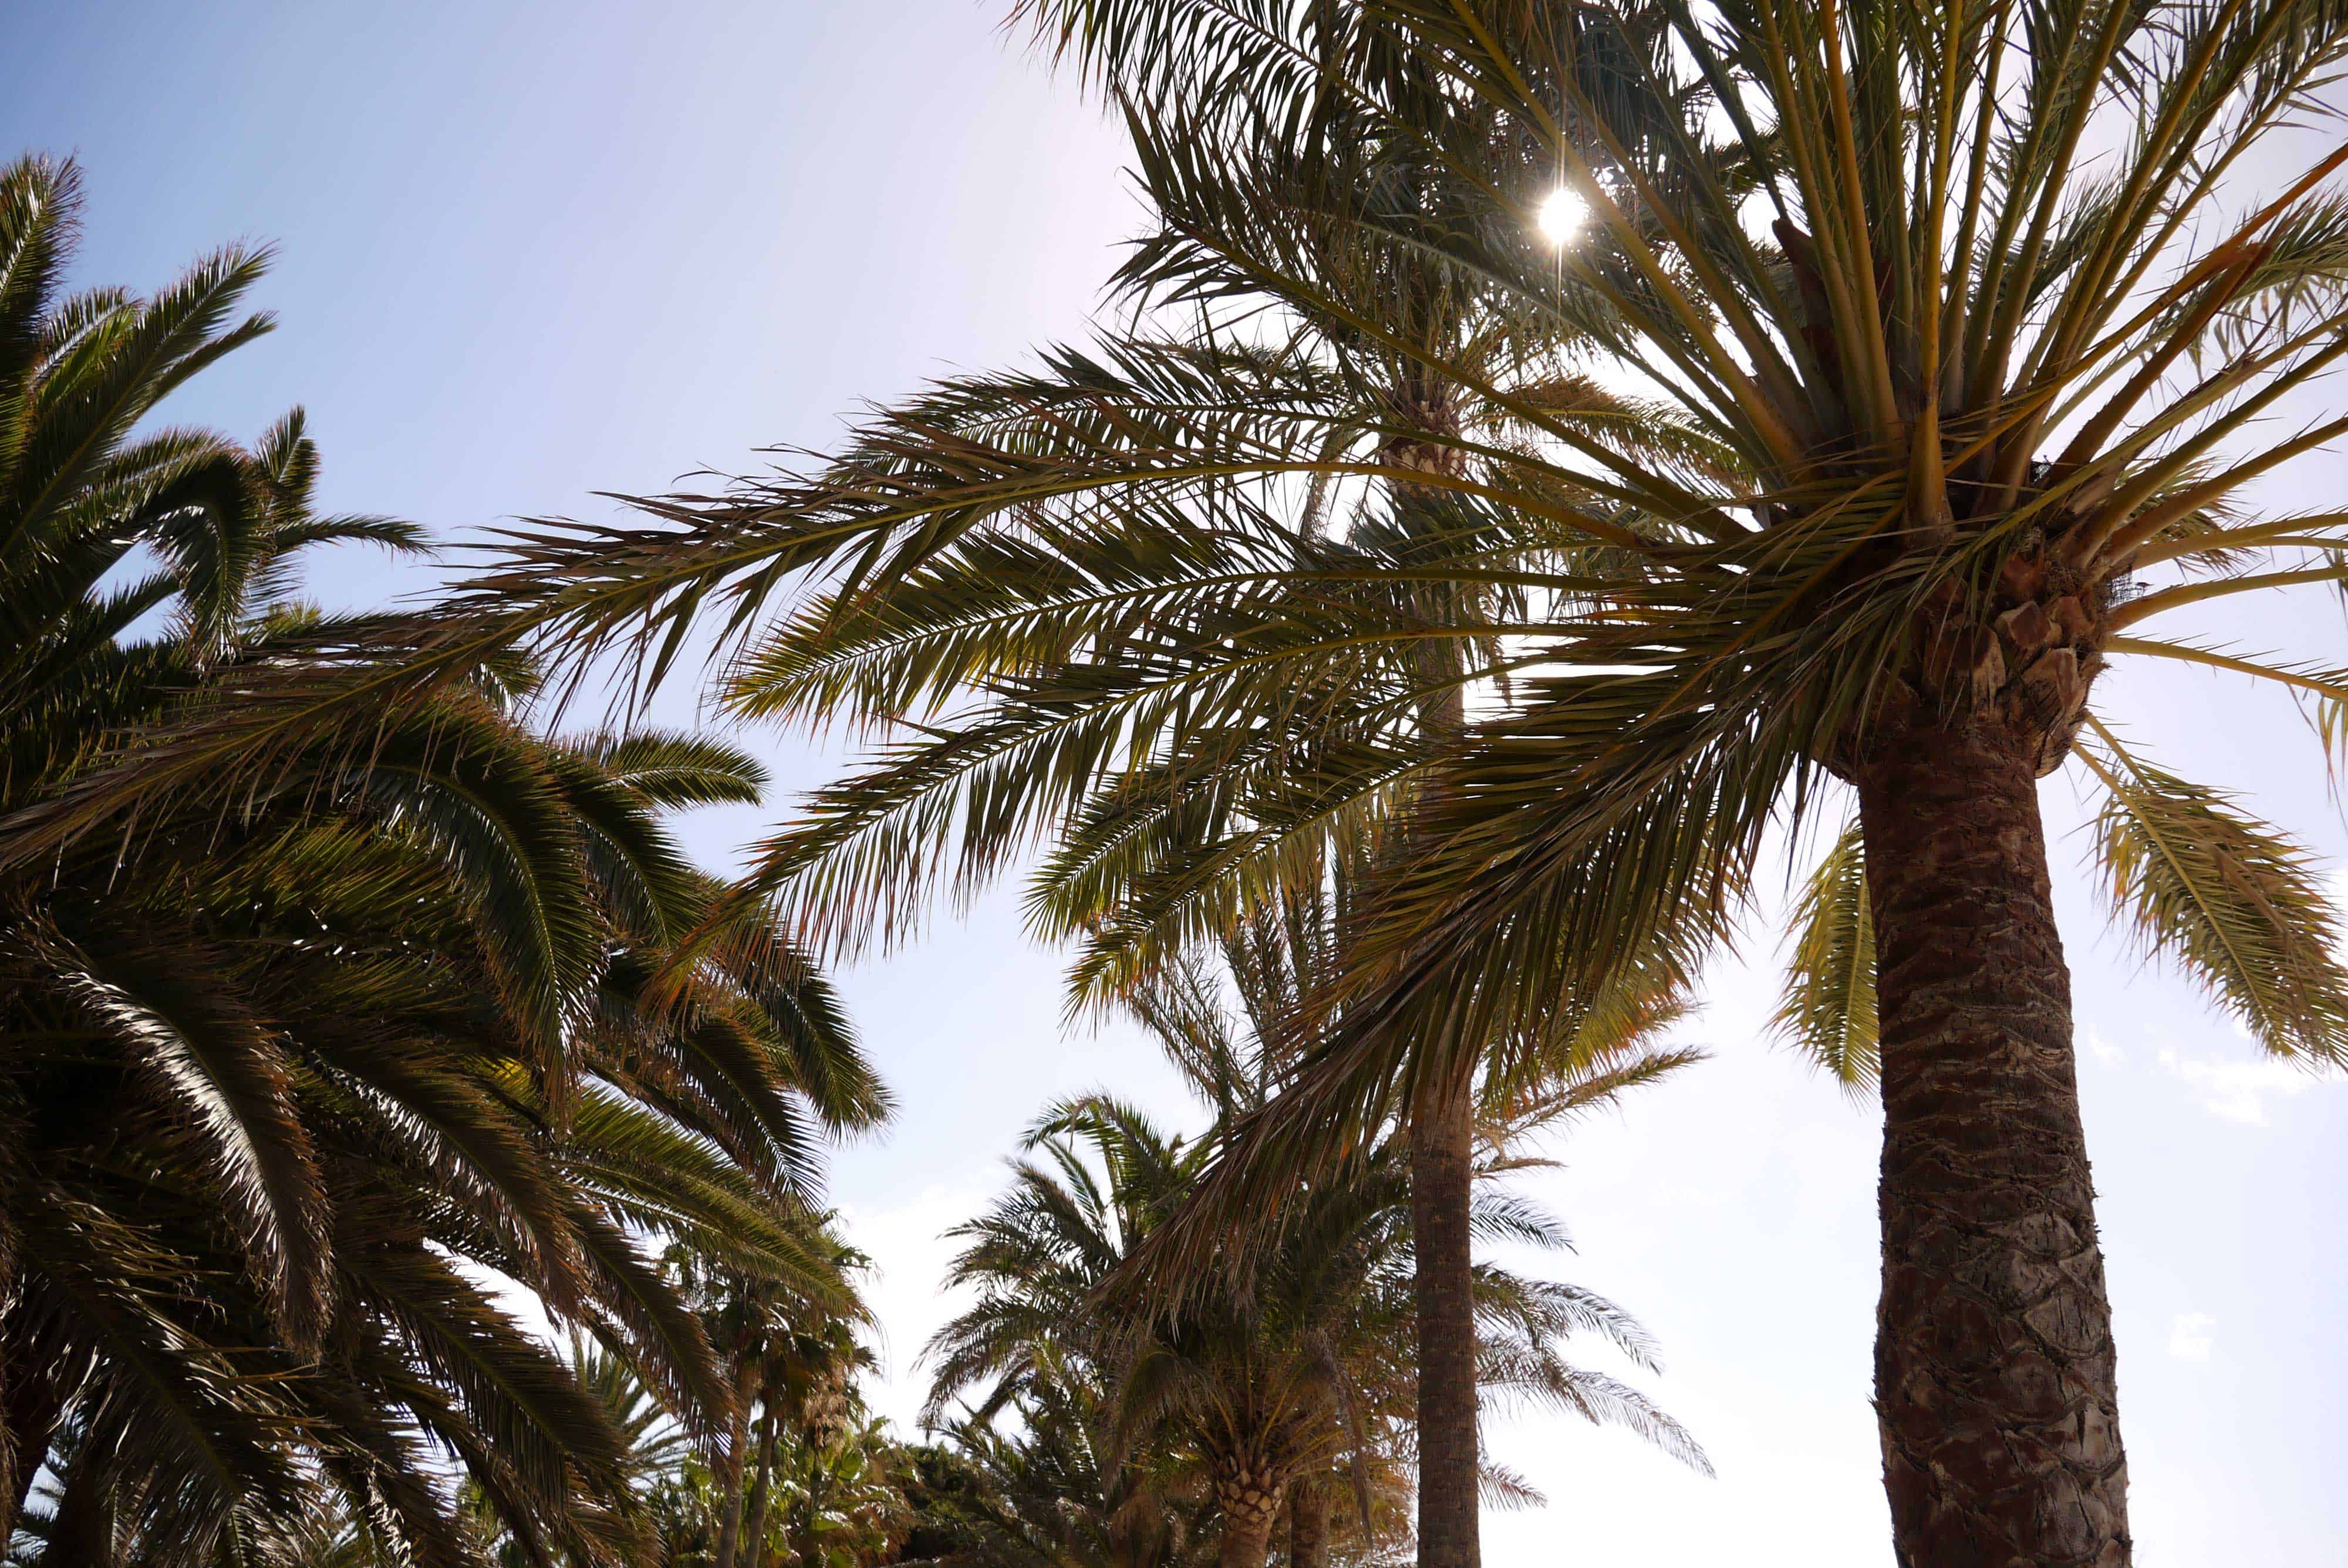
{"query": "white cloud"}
(2190, 1337)
(2239, 1091)
(909, 1251)
(2104, 1051)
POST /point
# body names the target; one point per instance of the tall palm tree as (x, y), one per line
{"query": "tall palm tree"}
(1312, 1368)
(1967, 444)
(1279, 961)
(285, 1079)
(1973, 408)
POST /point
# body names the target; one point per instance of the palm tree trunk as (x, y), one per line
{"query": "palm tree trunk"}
(1441, 1170)
(1250, 1501)
(1442, 1138)
(730, 1510)
(762, 1491)
(1993, 1362)
(1308, 1524)
(736, 1461)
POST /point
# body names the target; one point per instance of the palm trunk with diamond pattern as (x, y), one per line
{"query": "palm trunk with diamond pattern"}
(1994, 1378)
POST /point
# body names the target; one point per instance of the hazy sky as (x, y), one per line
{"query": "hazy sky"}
(533, 252)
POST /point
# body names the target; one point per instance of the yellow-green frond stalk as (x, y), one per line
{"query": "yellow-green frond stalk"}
(2330, 718)
(1827, 1012)
(2234, 902)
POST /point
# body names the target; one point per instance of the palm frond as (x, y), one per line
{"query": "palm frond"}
(1827, 1012)
(2238, 908)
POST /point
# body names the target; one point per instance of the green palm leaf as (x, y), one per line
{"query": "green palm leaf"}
(2231, 902)
(1827, 1012)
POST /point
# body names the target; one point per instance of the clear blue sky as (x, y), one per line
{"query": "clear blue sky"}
(533, 252)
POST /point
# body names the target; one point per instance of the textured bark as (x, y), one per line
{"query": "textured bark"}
(1308, 1525)
(1441, 1136)
(1995, 1374)
(1443, 1129)
(1250, 1501)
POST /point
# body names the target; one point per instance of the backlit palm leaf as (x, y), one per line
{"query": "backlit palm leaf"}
(1828, 1009)
(2229, 901)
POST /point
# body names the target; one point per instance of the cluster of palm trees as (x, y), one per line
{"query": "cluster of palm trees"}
(1277, 1402)
(1432, 619)
(329, 1075)
(801, 1474)
(1910, 362)
(299, 1082)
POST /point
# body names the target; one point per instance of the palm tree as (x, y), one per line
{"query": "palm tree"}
(286, 1080)
(842, 1501)
(413, 1094)
(1311, 1370)
(1273, 1376)
(1969, 415)
(1965, 448)
(1281, 959)
(794, 1361)
(1045, 1490)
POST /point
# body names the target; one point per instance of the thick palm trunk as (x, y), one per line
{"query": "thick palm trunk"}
(1308, 1525)
(1247, 1544)
(1994, 1364)
(1250, 1501)
(1441, 1155)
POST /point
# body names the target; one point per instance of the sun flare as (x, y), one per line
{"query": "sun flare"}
(1561, 215)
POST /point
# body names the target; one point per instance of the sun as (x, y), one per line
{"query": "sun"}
(1561, 215)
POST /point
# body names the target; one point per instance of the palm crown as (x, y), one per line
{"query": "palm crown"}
(1191, 621)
